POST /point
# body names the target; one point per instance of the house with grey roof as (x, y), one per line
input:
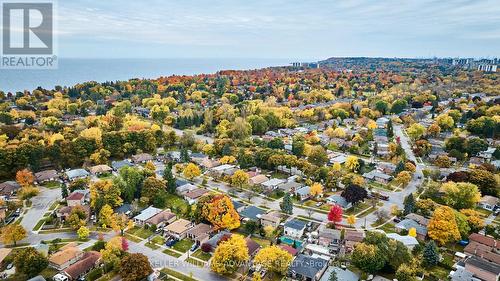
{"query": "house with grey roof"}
(45, 176)
(343, 274)
(117, 165)
(407, 224)
(304, 193)
(146, 214)
(294, 228)
(338, 200)
(252, 213)
(329, 237)
(290, 186)
(305, 267)
(377, 176)
(72, 175)
(272, 183)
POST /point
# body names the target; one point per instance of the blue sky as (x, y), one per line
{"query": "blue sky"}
(278, 28)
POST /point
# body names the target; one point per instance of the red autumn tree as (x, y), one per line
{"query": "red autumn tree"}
(335, 214)
(124, 244)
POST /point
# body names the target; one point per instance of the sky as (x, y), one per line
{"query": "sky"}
(307, 30)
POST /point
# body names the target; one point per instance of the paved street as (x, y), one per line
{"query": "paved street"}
(40, 205)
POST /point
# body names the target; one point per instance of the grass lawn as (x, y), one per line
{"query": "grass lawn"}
(176, 203)
(52, 185)
(132, 238)
(276, 194)
(158, 240)
(140, 232)
(195, 262)
(365, 213)
(39, 224)
(177, 275)
(184, 245)
(484, 212)
(388, 227)
(357, 208)
(171, 253)
(53, 206)
(261, 241)
(152, 245)
(202, 255)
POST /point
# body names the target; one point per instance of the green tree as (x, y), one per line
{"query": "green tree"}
(333, 276)
(30, 262)
(169, 179)
(398, 106)
(135, 267)
(430, 254)
(287, 204)
(409, 204)
(367, 258)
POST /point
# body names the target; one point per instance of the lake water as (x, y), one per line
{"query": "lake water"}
(73, 71)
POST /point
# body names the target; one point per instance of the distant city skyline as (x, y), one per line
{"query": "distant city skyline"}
(298, 30)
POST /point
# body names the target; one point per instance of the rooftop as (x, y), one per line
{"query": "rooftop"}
(295, 224)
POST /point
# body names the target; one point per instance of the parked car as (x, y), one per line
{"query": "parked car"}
(396, 220)
(9, 266)
(318, 204)
(195, 246)
(171, 242)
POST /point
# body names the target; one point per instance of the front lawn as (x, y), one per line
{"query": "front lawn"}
(261, 241)
(171, 253)
(195, 262)
(202, 255)
(177, 275)
(140, 232)
(176, 204)
(183, 246)
(361, 206)
(52, 185)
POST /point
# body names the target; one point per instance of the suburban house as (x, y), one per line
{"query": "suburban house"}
(163, 218)
(9, 188)
(142, 158)
(386, 167)
(218, 171)
(343, 274)
(193, 195)
(303, 193)
(117, 165)
(258, 179)
(253, 247)
(184, 187)
(272, 183)
(329, 237)
(146, 214)
(488, 202)
(64, 212)
(307, 268)
(273, 219)
(45, 176)
(338, 200)
(125, 208)
(75, 198)
(198, 158)
(484, 247)
(208, 163)
(294, 228)
(66, 256)
(238, 206)
(483, 269)
(80, 268)
(291, 250)
(214, 240)
(377, 176)
(290, 186)
(409, 241)
(100, 169)
(351, 238)
(72, 175)
(251, 213)
(178, 228)
(414, 221)
(200, 233)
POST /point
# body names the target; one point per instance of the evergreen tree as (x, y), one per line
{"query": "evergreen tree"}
(185, 155)
(399, 167)
(287, 204)
(431, 254)
(390, 130)
(226, 150)
(64, 191)
(409, 204)
(169, 178)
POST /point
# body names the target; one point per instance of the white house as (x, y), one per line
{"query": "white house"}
(294, 228)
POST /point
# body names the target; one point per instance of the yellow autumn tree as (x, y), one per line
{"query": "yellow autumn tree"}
(442, 227)
(229, 255)
(191, 171)
(274, 259)
(316, 189)
(228, 159)
(104, 192)
(352, 163)
(150, 166)
(239, 178)
(120, 222)
(412, 232)
(219, 211)
(351, 220)
(404, 177)
(93, 133)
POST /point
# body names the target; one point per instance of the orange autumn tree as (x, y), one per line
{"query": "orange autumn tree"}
(25, 177)
(219, 211)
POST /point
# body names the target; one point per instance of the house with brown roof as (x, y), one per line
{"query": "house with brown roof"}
(9, 188)
(329, 237)
(200, 233)
(483, 269)
(100, 169)
(193, 195)
(163, 218)
(258, 179)
(4, 252)
(253, 247)
(45, 176)
(79, 269)
(351, 238)
(178, 228)
(289, 249)
(142, 158)
(75, 199)
(484, 247)
(270, 219)
(66, 256)
(64, 212)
